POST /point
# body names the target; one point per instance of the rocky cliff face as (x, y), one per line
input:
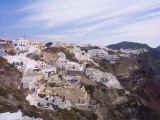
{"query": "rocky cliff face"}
(9, 76)
(112, 104)
(147, 74)
(10, 96)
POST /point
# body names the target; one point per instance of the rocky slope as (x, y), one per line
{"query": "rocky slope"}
(99, 84)
(148, 71)
(9, 80)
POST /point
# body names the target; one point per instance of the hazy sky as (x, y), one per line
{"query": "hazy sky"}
(99, 22)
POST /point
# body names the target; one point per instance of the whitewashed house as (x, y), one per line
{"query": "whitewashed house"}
(21, 45)
(50, 71)
(81, 55)
(20, 42)
(107, 79)
(98, 53)
(17, 61)
(67, 65)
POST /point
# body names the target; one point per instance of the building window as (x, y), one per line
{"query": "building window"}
(73, 67)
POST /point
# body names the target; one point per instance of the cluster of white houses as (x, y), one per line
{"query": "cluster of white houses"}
(82, 56)
(21, 62)
(99, 54)
(66, 65)
(21, 45)
(136, 51)
(72, 74)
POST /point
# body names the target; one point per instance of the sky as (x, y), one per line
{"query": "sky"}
(98, 22)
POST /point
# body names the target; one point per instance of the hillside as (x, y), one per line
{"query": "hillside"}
(69, 82)
(12, 99)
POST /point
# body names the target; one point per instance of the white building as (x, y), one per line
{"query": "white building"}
(17, 61)
(135, 51)
(21, 45)
(81, 55)
(20, 42)
(107, 79)
(102, 54)
(50, 71)
(97, 53)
